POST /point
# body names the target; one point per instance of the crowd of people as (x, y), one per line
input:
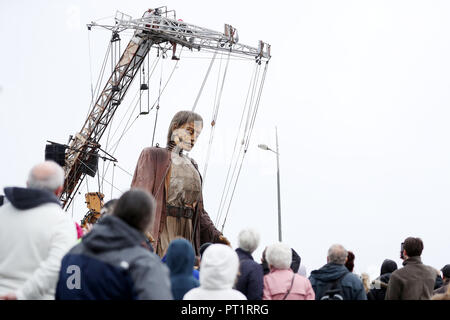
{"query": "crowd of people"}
(44, 255)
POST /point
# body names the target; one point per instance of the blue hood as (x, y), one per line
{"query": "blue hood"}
(28, 198)
(180, 257)
(329, 272)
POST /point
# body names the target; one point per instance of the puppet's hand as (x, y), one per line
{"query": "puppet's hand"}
(224, 240)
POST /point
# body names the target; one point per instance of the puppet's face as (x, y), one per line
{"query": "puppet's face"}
(186, 135)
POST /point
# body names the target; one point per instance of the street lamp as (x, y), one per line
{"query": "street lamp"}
(265, 147)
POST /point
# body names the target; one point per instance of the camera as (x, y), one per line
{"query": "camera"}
(401, 252)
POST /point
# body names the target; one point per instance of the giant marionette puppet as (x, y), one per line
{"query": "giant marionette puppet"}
(175, 182)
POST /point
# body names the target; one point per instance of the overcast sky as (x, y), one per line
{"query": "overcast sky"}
(359, 91)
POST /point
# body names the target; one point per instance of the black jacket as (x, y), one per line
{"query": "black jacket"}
(380, 284)
(378, 287)
(250, 281)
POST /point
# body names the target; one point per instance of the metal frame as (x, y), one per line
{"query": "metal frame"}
(189, 35)
(150, 30)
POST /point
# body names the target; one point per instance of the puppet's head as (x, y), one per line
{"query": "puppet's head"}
(184, 129)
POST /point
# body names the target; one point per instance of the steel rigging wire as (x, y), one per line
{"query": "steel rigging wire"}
(248, 140)
(218, 216)
(215, 115)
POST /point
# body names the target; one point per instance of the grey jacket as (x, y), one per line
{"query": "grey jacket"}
(113, 262)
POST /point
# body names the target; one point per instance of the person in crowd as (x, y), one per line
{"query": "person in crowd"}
(173, 179)
(264, 265)
(113, 261)
(35, 233)
(296, 261)
(106, 210)
(415, 281)
(350, 263)
(218, 271)
(302, 271)
(439, 281)
(334, 281)
(250, 280)
(282, 283)
(445, 280)
(202, 249)
(442, 296)
(379, 285)
(365, 279)
(180, 260)
(295, 265)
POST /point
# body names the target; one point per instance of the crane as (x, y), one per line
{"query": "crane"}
(153, 28)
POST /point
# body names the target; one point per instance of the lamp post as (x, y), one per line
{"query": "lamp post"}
(265, 147)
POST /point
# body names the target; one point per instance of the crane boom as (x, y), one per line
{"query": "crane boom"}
(149, 30)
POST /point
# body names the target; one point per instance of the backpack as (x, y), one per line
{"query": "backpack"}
(333, 290)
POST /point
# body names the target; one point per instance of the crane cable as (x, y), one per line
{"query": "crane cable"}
(204, 81)
(215, 114)
(127, 127)
(219, 211)
(250, 93)
(157, 106)
(248, 139)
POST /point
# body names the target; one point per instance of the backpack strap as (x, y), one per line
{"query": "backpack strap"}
(290, 288)
(330, 287)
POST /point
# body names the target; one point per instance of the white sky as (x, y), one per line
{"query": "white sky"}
(359, 91)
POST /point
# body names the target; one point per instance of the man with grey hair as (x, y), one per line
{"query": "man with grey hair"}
(251, 277)
(333, 281)
(35, 233)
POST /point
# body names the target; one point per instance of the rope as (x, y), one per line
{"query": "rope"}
(105, 179)
(154, 65)
(220, 209)
(157, 107)
(90, 66)
(213, 122)
(248, 139)
(112, 181)
(252, 82)
(100, 78)
(204, 81)
(115, 146)
(127, 172)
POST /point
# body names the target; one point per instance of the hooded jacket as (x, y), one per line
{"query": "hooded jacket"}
(180, 259)
(35, 233)
(379, 285)
(152, 173)
(415, 281)
(113, 262)
(250, 280)
(352, 287)
(218, 271)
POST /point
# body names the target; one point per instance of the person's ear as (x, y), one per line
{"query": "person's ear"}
(405, 255)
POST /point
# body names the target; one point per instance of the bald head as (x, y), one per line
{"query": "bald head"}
(337, 254)
(47, 176)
